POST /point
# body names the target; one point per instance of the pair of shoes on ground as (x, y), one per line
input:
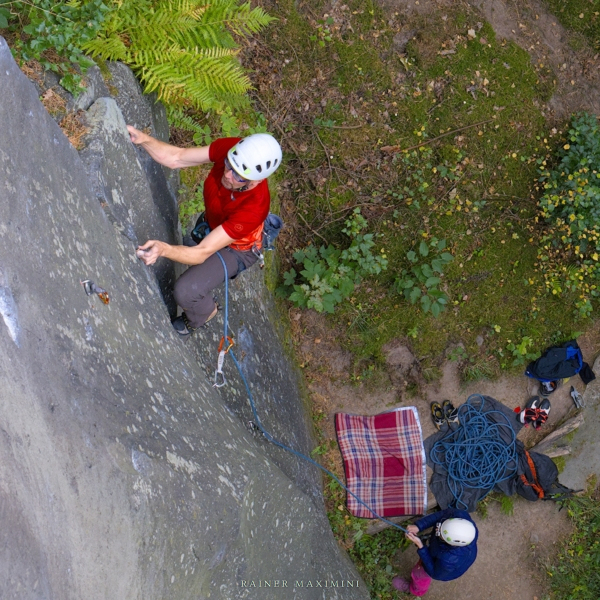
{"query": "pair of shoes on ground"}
(182, 325)
(444, 413)
(536, 412)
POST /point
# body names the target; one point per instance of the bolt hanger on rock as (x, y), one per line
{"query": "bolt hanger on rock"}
(91, 288)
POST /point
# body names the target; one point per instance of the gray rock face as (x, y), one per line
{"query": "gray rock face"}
(144, 112)
(585, 457)
(122, 189)
(123, 472)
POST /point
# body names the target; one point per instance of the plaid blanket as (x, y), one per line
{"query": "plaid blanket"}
(384, 462)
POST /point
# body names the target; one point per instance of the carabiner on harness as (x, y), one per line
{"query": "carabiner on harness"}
(259, 255)
(220, 380)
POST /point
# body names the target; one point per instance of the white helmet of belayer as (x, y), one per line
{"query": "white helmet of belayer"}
(255, 157)
(456, 532)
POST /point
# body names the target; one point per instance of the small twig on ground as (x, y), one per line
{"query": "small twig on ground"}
(396, 149)
(315, 232)
(324, 150)
(340, 126)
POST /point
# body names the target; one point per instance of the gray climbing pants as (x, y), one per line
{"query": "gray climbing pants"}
(193, 290)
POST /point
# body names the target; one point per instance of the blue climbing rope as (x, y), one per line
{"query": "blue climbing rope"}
(267, 435)
(480, 453)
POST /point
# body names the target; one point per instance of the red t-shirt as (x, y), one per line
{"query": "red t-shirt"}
(241, 214)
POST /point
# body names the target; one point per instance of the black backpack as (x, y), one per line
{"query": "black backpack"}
(537, 477)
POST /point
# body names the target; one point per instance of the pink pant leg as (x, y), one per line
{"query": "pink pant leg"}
(419, 580)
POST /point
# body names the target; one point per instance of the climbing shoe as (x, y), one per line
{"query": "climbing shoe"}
(530, 413)
(450, 413)
(182, 326)
(547, 387)
(543, 411)
(437, 414)
(401, 584)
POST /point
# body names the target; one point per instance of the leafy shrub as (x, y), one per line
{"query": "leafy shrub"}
(421, 280)
(185, 50)
(373, 555)
(329, 275)
(521, 351)
(61, 27)
(569, 253)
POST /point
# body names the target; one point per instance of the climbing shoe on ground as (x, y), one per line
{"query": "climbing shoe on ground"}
(401, 584)
(450, 413)
(530, 413)
(547, 387)
(182, 326)
(437, 414)
(543, 411)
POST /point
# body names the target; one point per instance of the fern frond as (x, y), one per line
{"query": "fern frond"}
(111, 48)
(177, 118)
(183, 50)
(192, 8)
(249, 21)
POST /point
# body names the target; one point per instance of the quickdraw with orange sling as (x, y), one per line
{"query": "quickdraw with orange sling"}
(220, 380)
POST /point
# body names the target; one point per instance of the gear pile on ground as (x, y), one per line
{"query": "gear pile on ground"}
(482, 454)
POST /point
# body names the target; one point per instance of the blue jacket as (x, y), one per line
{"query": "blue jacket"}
(440, 560)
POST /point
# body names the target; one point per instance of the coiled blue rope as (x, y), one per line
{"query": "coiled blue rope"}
(267, 435)
(480, 453)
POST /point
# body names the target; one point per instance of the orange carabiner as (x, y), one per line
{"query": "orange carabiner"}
(222, 342)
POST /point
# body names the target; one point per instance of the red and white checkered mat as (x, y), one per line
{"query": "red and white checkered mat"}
(384, 460)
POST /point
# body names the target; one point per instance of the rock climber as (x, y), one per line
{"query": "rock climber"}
(451, 551)
(236, 200)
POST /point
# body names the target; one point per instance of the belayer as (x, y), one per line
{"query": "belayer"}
(451, 551)
(236, 200)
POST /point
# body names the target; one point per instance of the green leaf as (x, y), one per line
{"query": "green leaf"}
(447, 257)
(289, 277)
(423, 249)
(431, 281)
(426, 303)
(436, 309)
(427, 271)
(415, 294)
(411, 256)
(437, 265)
(328, 304)
(441, 244)
(298, 298)
(3, 21)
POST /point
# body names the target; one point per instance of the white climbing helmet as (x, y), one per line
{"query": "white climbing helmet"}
(255, 157)
(456, 532)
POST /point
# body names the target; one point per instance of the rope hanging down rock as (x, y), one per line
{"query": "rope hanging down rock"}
(258, 424)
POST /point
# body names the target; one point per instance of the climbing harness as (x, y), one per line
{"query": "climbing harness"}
(256, 423)
(534, 483)
(220, 380)
(476, 455)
